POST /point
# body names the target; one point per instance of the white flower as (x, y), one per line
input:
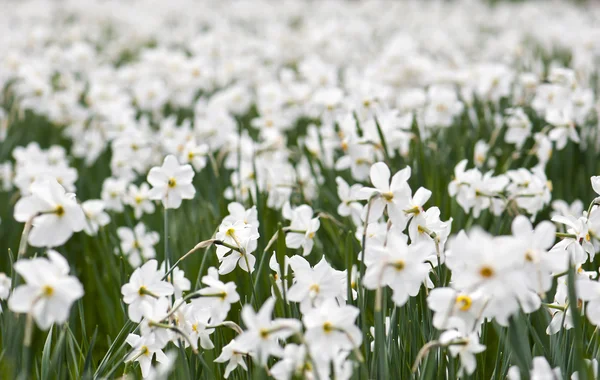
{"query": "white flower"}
(58, 214)
(217, 295)
(144, 349)
(393, 195)
(442, 107)
(95, 216)
(293, 362)
(238, 234)
(330, 327)
(465, 346)
(400, 266)
(137, 244)
(5, 283)
(262, 335)
(359, 158)
(274, 265)
(589, 291)
(196, 320)
(177, 278)
(541, 370)
(234, 354)
(171, 183)
(349, 195)
(595, 184)
(492, 266)
(540, 263)
(139, 199)
(6, 176)
(164, 367)
(113, 191)
(144, 286)
(194, 154)
(455, 310)
(237, 212)
(48, 292)
(564, 126)
(154, 312)
(427, 226)
(481, 153)
(312, 286)
(577, 246)
(302, 228)
(519, 127)
(561, 313)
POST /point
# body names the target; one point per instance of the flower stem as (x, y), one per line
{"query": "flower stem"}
(423, 351)
(166, 237)
(563, 235)
(27, 347)
(25, 235)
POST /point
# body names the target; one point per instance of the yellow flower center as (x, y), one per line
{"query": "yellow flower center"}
(464, 301)
(327, 327)
(264, 333)
(48, 291)
(59, 210)
(399, 265)
(529, 255)
(172, 182)
(441, 108)
(388, 196)
(142, 291)
(486, 272)
(315, 288)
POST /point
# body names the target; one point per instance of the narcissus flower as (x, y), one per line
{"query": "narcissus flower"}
(465, 346)
(233, 353)
(302, 229)
(5, 282)
(144, 286)
(138, 244)
(263, 334)
(144, 349)
(95, 216)
(540, 370)
(391, 195)
(217, 296)
(398, 265)
(48, 292)
(139, 199)
(171, 182)
(330, 328)
(56, 214)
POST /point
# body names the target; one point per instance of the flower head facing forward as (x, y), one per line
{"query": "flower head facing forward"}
(48, 292)
(56, 214)
(171, 182)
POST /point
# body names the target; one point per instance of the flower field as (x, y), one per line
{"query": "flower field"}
(299, 190)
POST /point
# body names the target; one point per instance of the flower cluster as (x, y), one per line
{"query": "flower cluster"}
(410, 178)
